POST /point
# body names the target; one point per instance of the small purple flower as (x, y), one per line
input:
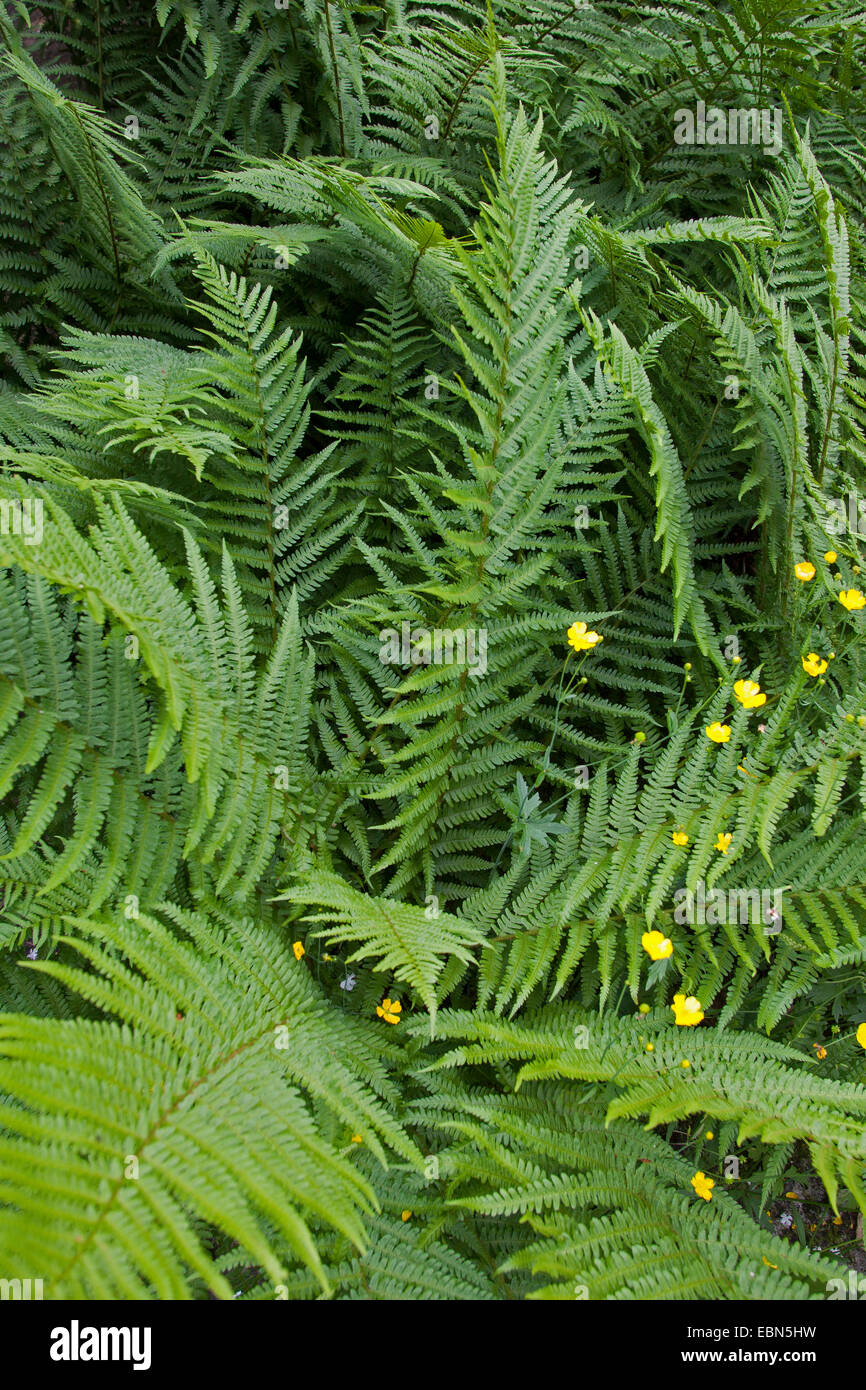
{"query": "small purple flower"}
(349, 983)
(32, 953)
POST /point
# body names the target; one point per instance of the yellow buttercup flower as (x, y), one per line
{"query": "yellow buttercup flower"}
(390, 1010)
(687, 1011)
(861, 1035)
(680, 837)
(749, 694)
(298, 949)
(656, 945)
(830, 556)
(580, 639)
(804, 571)
(404, 1215)
(703, 1186)
(852, 599)
(719, 733)
(814, 665)
(356, 1139)
(821, 1051)
(723, 842)
(643, 1008)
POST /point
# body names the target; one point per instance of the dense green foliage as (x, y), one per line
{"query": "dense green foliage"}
(325, 323)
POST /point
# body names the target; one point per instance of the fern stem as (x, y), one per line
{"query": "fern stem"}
(108, 212)
(336, 78)
(99, 52)
(460, 95)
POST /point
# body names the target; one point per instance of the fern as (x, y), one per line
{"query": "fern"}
(353, 356)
